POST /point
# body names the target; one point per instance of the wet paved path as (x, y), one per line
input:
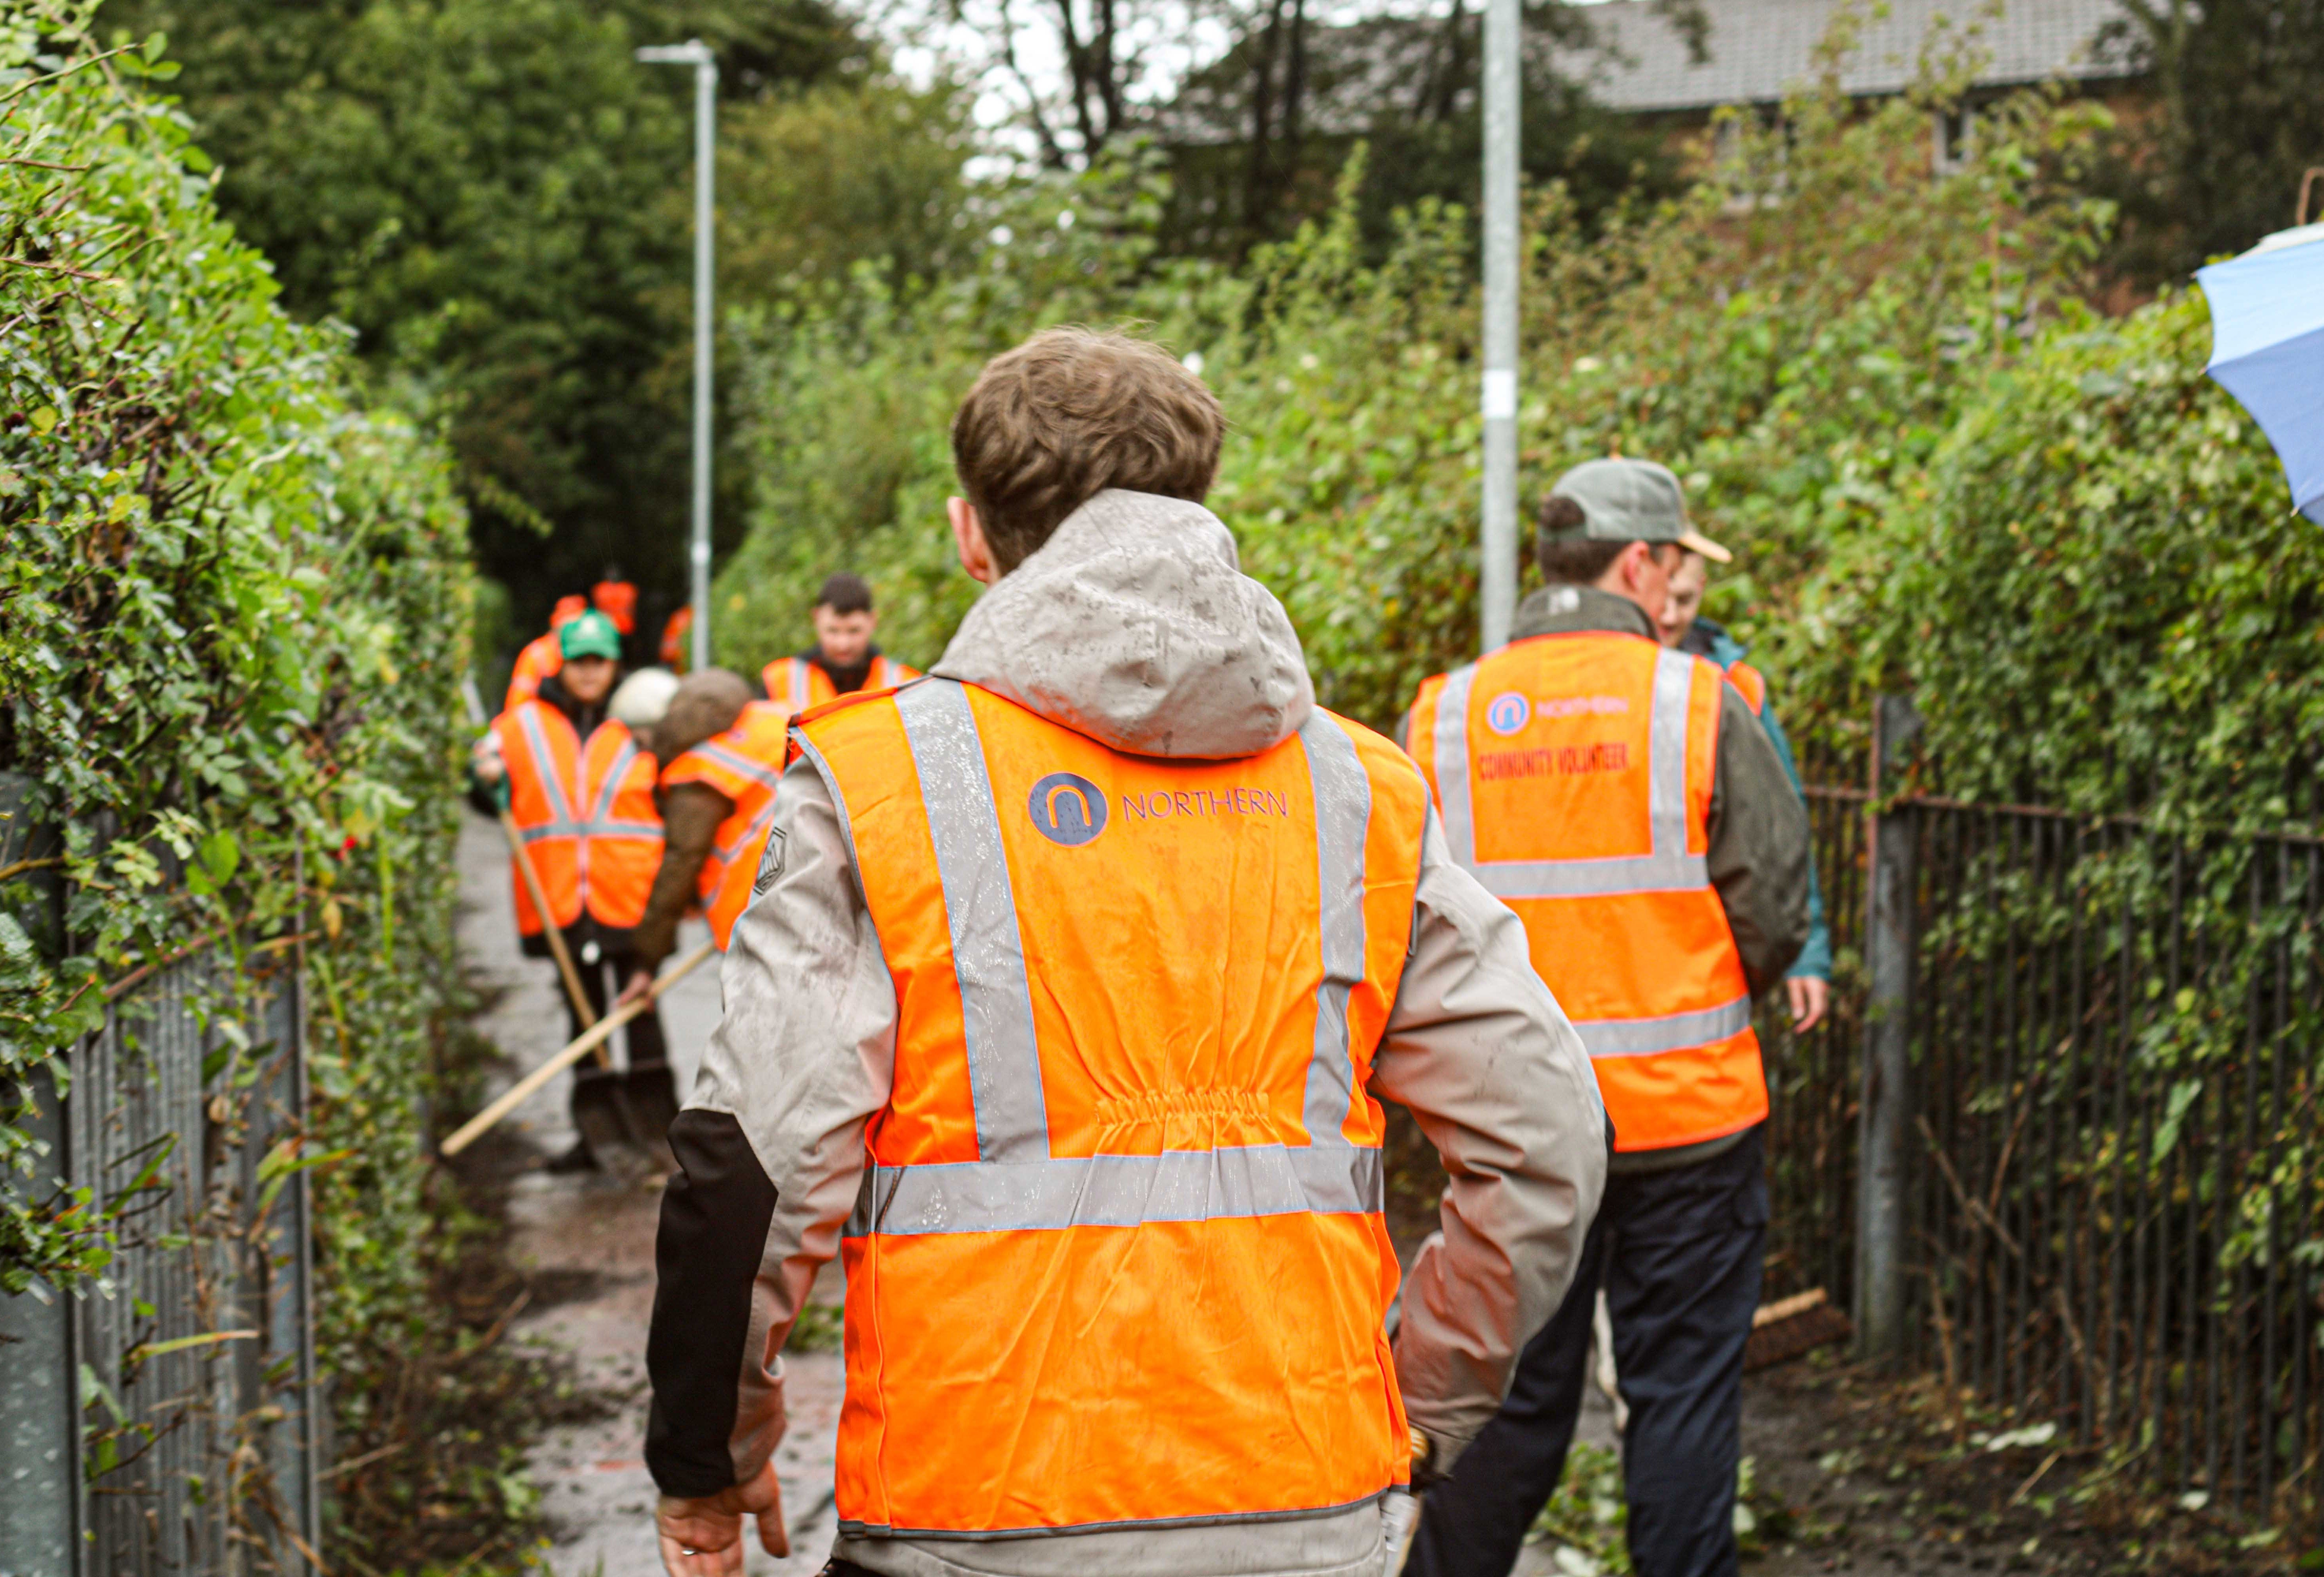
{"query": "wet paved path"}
(585, 1242)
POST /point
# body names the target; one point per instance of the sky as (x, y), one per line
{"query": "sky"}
(1171, 38)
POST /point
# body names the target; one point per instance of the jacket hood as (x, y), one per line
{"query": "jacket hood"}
(1135, 625)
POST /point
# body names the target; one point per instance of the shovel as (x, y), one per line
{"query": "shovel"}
(600, 1109)
(581, 1047)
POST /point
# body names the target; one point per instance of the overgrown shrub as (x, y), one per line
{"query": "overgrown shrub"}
(237, 610)
(1793, 334)
(2099, 591)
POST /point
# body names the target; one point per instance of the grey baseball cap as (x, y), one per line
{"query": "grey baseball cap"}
(1633, 501)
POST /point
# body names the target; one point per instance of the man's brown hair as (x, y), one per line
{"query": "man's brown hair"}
(845, 594)
(1070, 413)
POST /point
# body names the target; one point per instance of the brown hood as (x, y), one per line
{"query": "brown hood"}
(705, 703)
(1134, 624)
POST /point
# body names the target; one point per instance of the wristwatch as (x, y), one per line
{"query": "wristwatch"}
(1424, 1460)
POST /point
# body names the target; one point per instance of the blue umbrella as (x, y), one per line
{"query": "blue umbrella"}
(2267, 349)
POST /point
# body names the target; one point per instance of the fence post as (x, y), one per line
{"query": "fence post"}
(1891, 941)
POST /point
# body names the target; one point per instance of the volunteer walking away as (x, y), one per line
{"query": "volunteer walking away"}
(1624, 800)
(1087, 1096)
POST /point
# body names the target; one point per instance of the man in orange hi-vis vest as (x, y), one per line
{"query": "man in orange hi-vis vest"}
(722, 755)
(541, 656)
(1074, 979)
(842, 659)
(1622, 798)
(571, 765)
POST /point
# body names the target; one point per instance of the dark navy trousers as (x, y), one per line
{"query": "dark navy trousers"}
(1678, 1253)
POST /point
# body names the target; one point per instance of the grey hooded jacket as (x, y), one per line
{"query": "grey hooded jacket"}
(1134, 626)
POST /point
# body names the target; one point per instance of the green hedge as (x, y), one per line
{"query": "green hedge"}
(238, 612)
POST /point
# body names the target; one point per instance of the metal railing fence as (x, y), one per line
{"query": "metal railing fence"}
(2117, 1037)
(166, 1421)
(1812, 1087)
(2111, 1216)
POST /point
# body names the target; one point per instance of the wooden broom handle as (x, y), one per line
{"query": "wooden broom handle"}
(582, 1046)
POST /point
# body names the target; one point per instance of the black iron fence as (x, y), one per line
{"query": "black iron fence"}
(2098, 1130)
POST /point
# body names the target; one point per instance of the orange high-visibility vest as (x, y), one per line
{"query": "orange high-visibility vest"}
(618, 601)
(1573, 772)
(542, 756)
(621, 848)
(674, 632)
(738, 877)
(1752, 684)
(586, 813)
(744, 763)
(795, 684)
(540, 657)
(1118, 1255)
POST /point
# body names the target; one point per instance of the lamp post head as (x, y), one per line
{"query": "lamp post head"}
(692, 52)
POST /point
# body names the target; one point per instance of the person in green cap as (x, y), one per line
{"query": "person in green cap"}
(1622, 798)
(570, 766)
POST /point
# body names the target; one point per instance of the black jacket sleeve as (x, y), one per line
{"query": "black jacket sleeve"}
(714, 1215)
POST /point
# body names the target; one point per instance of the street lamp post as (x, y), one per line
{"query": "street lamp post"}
(1498, 588)
(694, 53)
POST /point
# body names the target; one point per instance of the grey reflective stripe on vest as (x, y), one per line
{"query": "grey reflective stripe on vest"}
(756, 829)
(603, 822)
(562, 822)
(1673, 1032)
(1344, 812)
(1452, 765)
(1236, 1182)
(734, 761)
(1016, 1185)
(1669, 867)
(988, 955)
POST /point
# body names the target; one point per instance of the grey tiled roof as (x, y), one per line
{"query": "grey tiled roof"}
(1759, 49)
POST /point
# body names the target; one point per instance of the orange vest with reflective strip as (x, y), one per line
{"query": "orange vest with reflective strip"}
(541, 656)
(744, 763)
(1573, 772)
(1752, 684)
(623, 846)
(586, 815)
(1118, 1255)
(795, 684)
(674, 630)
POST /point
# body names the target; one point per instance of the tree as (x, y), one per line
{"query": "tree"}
(494, 195)
(817, 180)
(1258, 136)
(2218, 163)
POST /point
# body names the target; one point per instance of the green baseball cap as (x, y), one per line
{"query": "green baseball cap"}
(1633, 501)
(591, 635)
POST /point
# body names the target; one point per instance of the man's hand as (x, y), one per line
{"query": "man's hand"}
(1809, 997)
(704, 1538)
(640, 983)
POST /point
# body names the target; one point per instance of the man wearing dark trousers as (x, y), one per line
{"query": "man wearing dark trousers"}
(1622, 798)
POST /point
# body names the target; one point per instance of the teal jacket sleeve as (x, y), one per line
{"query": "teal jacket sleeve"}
(1815, 958)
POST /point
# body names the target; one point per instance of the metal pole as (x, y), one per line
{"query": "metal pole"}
(1891, 948)
(705, 137)
(1497, 591)
(694, 53)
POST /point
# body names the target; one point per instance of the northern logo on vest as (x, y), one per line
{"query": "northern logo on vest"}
(1068, 808)
(1507, 712)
